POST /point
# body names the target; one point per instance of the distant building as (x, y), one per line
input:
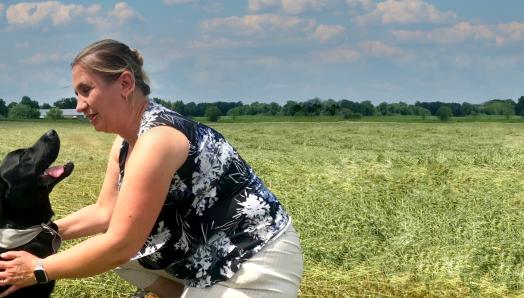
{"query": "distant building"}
(68, 114)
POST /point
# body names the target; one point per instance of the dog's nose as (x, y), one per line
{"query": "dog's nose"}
(51, 133)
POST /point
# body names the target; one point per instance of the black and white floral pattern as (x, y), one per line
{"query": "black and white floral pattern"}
(217, 213)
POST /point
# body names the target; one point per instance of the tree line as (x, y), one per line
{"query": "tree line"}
(28, 108)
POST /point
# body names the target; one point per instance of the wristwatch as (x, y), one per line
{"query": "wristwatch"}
(39, 272)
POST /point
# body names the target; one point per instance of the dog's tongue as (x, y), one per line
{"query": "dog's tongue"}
(55, 172)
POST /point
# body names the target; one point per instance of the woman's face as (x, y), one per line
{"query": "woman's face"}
(96, 98)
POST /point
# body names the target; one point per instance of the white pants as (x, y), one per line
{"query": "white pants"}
(275, 271)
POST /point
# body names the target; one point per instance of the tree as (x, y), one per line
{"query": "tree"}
(367, 108)
(519, 108)
(66, 103)
(3, 108)
(257, 108)
(54, 113)
(431, 106)
(346, 113)
(498, 106)
(22, 111)
(178, 106)
(26, 100)
(235, 112)
(420, 111)
(312, 107)
(46, 106)
(274, 108)
(212, 113)
(382, 109)
(470, 109)
(508, 112)
(291, 108)
(330, 107)
(190, 109)
(444, 113)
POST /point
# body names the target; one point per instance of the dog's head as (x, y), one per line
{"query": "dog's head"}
(27, 178)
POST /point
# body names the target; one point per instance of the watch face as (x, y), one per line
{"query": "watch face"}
(40, 276)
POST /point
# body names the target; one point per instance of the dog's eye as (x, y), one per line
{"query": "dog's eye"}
(25, 156)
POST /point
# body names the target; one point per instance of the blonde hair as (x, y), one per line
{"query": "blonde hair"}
(110, 58)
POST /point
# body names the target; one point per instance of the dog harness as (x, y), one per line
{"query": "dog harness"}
(13, 238)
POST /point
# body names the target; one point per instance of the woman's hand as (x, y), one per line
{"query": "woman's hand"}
(18, 269)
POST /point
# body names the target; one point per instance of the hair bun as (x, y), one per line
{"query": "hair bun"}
(137, 56)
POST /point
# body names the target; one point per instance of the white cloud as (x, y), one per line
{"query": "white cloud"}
(269, 61)
(122, 13)
(325, 33)
(499, 34)
(510, 32)
(118, 16)
(288, 6)
(259, 25)
(257, 5)
(171, 2)
(405, 12)
(359, 4)
(208, 42)
(461, 32)
(362, 51)
(378, 49)
(336, 55)
(41, 58)
(35, 13)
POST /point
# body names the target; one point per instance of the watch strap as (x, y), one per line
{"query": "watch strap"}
(39, 272)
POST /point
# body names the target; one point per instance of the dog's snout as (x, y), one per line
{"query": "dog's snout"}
(51, 133)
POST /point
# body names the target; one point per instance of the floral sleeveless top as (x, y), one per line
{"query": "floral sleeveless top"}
(217, 213)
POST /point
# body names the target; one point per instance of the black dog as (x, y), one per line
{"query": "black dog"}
(26, 180)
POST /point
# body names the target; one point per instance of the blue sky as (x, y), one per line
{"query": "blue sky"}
(276, 50)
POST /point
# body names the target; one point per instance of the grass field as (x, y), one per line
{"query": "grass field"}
(383, 209)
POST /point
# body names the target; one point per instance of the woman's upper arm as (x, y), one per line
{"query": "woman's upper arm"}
(155, 158)
(94, 219)
(109, 191)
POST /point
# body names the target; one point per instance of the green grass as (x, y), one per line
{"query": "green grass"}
(395, 118)
(382, 209)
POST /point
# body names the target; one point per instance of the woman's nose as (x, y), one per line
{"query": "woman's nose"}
(80, 105)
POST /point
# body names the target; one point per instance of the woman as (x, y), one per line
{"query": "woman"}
(179, 210)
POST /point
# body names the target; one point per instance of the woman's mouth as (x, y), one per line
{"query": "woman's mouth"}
(92, 117)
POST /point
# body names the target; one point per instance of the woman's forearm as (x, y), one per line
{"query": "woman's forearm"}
(87, 221)
(93, 256)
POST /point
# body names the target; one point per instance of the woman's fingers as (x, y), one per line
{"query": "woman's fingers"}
(17, 270)
(13, 254)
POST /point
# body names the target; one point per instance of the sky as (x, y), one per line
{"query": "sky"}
(276, 50)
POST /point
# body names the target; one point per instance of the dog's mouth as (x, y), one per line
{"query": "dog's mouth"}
(55, 174)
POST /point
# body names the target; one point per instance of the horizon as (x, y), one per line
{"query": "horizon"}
(275, 50)
(515, 100)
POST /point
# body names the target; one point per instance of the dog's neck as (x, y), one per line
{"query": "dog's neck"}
(13, 216)
(15, 238)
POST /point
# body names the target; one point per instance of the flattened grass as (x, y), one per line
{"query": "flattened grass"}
(383, 209)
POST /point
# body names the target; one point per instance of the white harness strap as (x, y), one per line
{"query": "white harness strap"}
(13, 238)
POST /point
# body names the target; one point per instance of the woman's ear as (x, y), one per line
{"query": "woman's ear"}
(127, 82)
